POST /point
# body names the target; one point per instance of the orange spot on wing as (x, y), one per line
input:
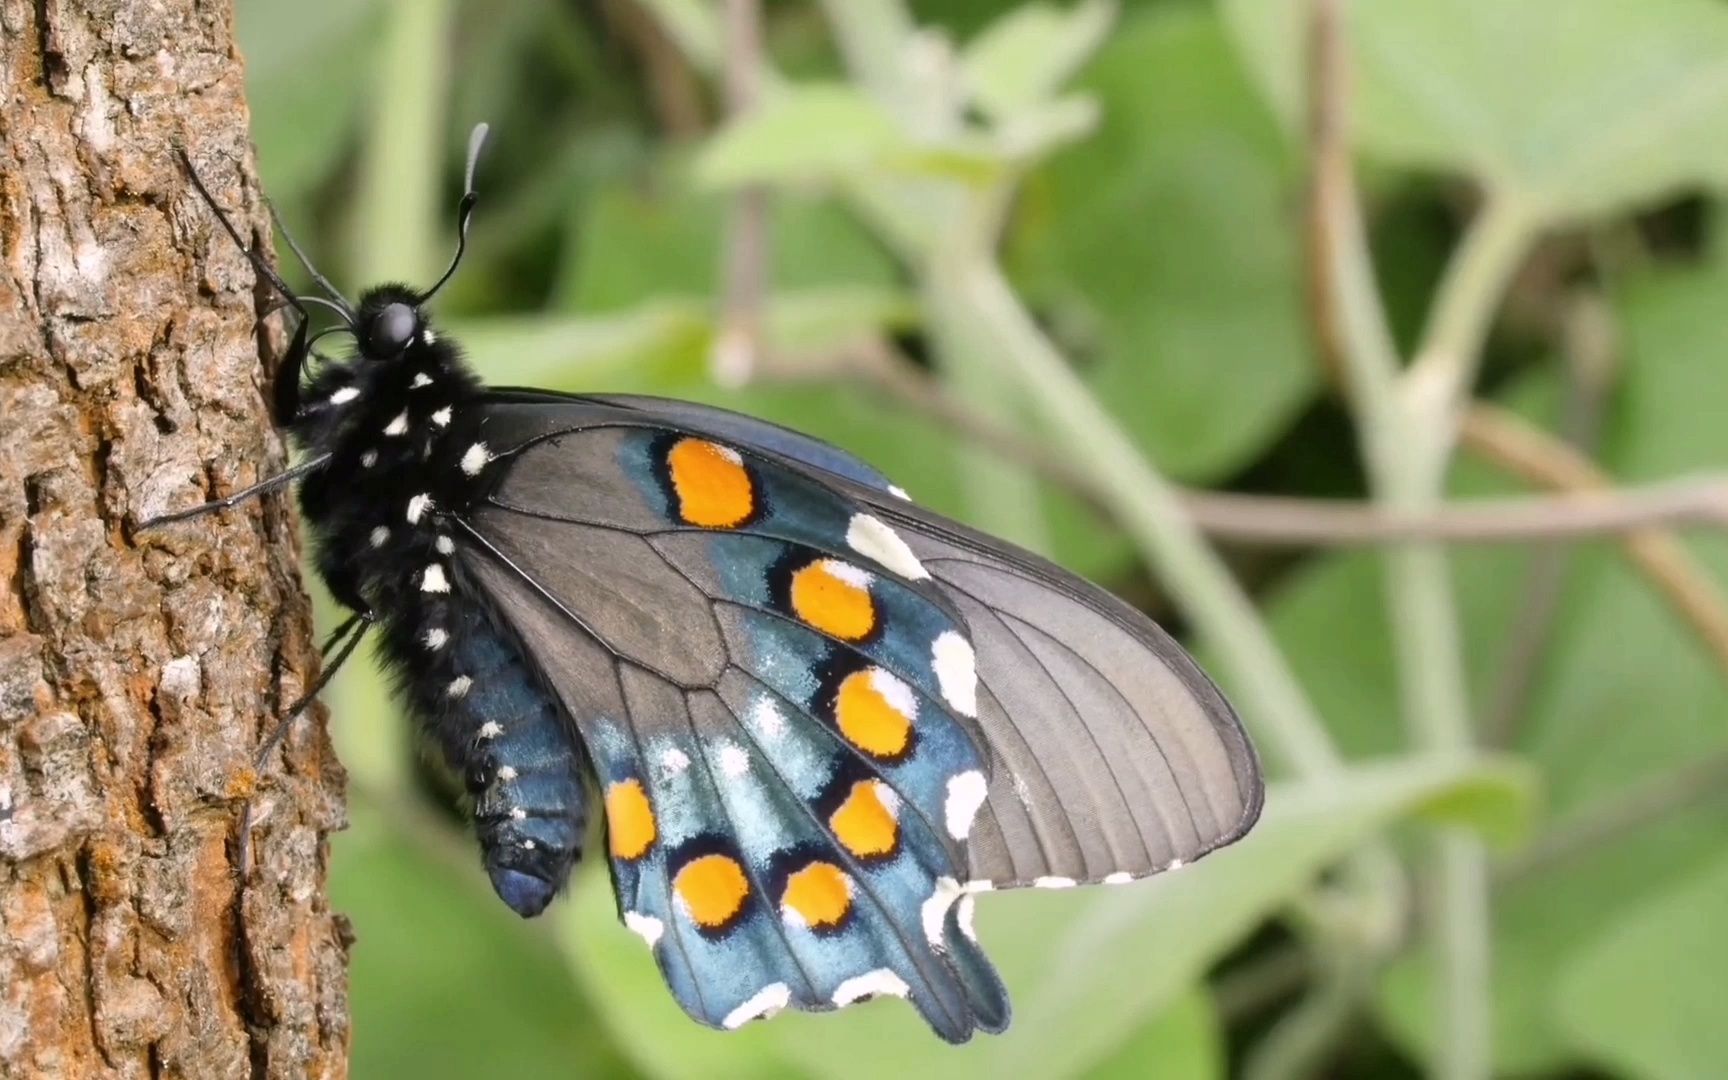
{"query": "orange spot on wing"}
(819, 894)
(823, 596)
(629, 820)
(712, 485)
(868, 719)
(865, 822)
(713, 888)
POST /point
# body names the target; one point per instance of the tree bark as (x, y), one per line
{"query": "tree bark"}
(139, 672)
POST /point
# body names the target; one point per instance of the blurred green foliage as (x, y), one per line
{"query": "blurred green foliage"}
(1156, 235)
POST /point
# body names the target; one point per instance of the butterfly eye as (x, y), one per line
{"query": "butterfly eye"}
(390, 330)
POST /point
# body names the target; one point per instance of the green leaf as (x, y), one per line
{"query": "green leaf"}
(1576, 107)
(437, 955)
(1646, 997)
(1023, 58)
(1076, 963)
(809, 132)
(1184, 1042)
(1161, 250)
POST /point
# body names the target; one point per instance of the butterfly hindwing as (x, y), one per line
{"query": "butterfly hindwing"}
(787, 777)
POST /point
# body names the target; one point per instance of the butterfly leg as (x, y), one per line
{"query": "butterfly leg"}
(262, 487)
(349, 634)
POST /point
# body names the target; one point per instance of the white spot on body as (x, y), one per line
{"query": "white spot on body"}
(506, 773)
(966, 793)
(734, 762)
(1120, 877)
(1053, 883)
(421, 381)
(956, 671)
(872, 538)
(442, 416)
(398, 426)
(445, 545)
(435, 639)
(434, 580)
(491, 729)
(459, 686)
(870, 984)
(646, 927)
(344, 395)
(380, 536)
(475, 459)
(674, 761)
(760, 1005)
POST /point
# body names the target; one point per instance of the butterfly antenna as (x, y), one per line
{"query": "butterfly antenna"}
(259, 266)
(337, 299)
(464, 209)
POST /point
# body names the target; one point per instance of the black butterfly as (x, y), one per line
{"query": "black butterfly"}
(819, 718)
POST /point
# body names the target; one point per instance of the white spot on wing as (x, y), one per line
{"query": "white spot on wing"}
(968, 907)
(897, 694)
(763, 1003)
(435, 638)
(956, 671)
(966, 793)
(766, 717)
(935, 909)
(848, 573)
(898, 492)
(380, 536)
(442, 416)
(674, 761)
(870, 984)
(417, 507)
(1175, 864)
(491, 729)
(434, 580)
(1120, 877)
(728, 453)
(421, 380)
(445, 545)
(734, 762)
(368, 459)
(872, 538)
(506, 772)
(459, 686)
(1053, 883)
(519, 814)
(398, 426)
(428, 336)
(475, 459)
(646, 927)
(344, 395)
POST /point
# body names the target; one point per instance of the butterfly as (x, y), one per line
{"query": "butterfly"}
(816, 719)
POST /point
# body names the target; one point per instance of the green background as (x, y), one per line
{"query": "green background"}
(1155, 235)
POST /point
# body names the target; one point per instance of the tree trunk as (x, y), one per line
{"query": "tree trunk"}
(139, 672)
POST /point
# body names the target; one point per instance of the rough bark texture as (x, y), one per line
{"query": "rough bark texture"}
(137, 673)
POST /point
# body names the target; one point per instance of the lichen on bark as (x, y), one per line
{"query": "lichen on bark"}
(138, 672)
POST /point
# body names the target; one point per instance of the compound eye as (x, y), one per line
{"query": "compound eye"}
(391, 330)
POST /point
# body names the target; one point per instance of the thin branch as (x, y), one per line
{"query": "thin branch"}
(1589, 347)
(1612, 819)
(744, 266)
(1275, 519)
(1527, 451)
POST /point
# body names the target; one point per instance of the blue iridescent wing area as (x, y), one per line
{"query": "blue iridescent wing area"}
(764, 681)
(1111, 754)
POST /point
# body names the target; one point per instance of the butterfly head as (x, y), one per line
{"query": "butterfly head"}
(389, 322)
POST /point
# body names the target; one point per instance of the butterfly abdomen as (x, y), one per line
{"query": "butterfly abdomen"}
(498, 729)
